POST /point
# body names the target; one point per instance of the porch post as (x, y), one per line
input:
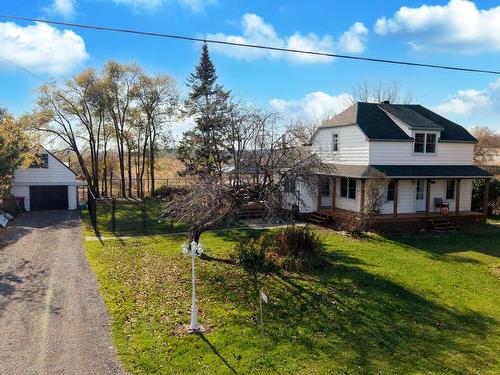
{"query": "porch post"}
(486, 197)
(457, 197)
(395, 202)
(427, 197)
(362, 198)
(334, 191)
(318, 206)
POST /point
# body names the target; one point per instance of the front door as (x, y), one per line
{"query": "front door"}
(420, 195)
(326, 192)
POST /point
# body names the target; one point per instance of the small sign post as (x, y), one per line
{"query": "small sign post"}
(262, 297)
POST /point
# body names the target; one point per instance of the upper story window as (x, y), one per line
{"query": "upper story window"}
(450, 189)
(430, 143)
(348, 188)
(335, 142)
(41, 162)
(425, 143)
(390, 191)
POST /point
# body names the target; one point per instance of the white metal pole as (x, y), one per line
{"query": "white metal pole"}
(194, 310)
(261, 324)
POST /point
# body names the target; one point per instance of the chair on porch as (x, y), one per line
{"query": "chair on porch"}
(439, 203)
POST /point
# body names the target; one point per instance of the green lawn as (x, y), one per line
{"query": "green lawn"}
(416, 304)
(493, 219)
(130, 218)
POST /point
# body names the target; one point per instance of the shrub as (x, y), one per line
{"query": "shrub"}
(252, 254)
(295, 248)
(297, 241)
(478, 188)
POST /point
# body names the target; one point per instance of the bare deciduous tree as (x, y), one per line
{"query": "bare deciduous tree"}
(378, 91)
(375, 196)
(487, 146)
(258, 148)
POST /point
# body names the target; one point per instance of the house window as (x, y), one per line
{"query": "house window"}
(450, 189)
(325, 187)
(430, 144)
(390, 191)
(419, 142)
(41, 162)
(352, 188)
(289, 185)
(348, 188)
(343, 187)
(425, 143)
(335, 142)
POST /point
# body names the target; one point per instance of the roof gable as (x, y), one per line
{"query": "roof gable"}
(56, 158)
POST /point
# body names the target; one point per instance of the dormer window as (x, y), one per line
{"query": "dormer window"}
(419, 142)
(430, 143)
(335, 142)
(425, 143)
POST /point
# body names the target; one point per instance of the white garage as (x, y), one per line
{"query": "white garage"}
(48, 184)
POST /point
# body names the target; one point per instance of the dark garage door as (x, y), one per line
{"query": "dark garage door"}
(48, 198)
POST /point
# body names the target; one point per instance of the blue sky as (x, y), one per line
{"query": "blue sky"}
(456, 32)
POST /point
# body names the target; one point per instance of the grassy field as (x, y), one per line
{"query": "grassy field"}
(416, 304)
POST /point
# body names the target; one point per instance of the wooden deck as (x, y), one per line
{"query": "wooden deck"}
(387, 218)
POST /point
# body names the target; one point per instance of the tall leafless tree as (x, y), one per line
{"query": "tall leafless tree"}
(379, 91)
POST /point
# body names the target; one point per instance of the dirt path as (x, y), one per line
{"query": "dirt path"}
(52, 318)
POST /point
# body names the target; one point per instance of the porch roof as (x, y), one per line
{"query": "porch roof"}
(410, 171)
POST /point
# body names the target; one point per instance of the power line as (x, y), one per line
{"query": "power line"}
(255, 46)
(20, 67)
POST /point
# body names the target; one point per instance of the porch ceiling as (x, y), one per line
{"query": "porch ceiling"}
(410, 171)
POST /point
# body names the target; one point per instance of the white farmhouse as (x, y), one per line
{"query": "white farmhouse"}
(426, 159)
(47, 184)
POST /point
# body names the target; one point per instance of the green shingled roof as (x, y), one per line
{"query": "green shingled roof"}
(376, 124)
(411, 171)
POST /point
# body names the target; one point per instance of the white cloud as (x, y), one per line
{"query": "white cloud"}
(354, 39)
(195, 6)
(473, 101)
(65, 8)
(316, 105)
(41, 48)
(256, 31)
(148, 5)
(458, 26)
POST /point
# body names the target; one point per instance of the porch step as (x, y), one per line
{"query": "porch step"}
(316, 218)
(442, 225)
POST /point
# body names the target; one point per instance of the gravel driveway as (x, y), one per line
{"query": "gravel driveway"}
(52, 318)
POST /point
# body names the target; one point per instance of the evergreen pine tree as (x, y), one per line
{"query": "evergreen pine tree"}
(201, 150)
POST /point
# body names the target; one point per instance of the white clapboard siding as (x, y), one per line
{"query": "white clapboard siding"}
(465, 195)
(347, 203)
(304, 197)
(401, 153)
(353, 146)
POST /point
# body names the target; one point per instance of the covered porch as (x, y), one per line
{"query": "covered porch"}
(412, 193)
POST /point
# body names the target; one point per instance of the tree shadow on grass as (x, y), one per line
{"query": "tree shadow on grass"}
(216, 352)
(238, 235)
(354, 318)
(485, 242)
